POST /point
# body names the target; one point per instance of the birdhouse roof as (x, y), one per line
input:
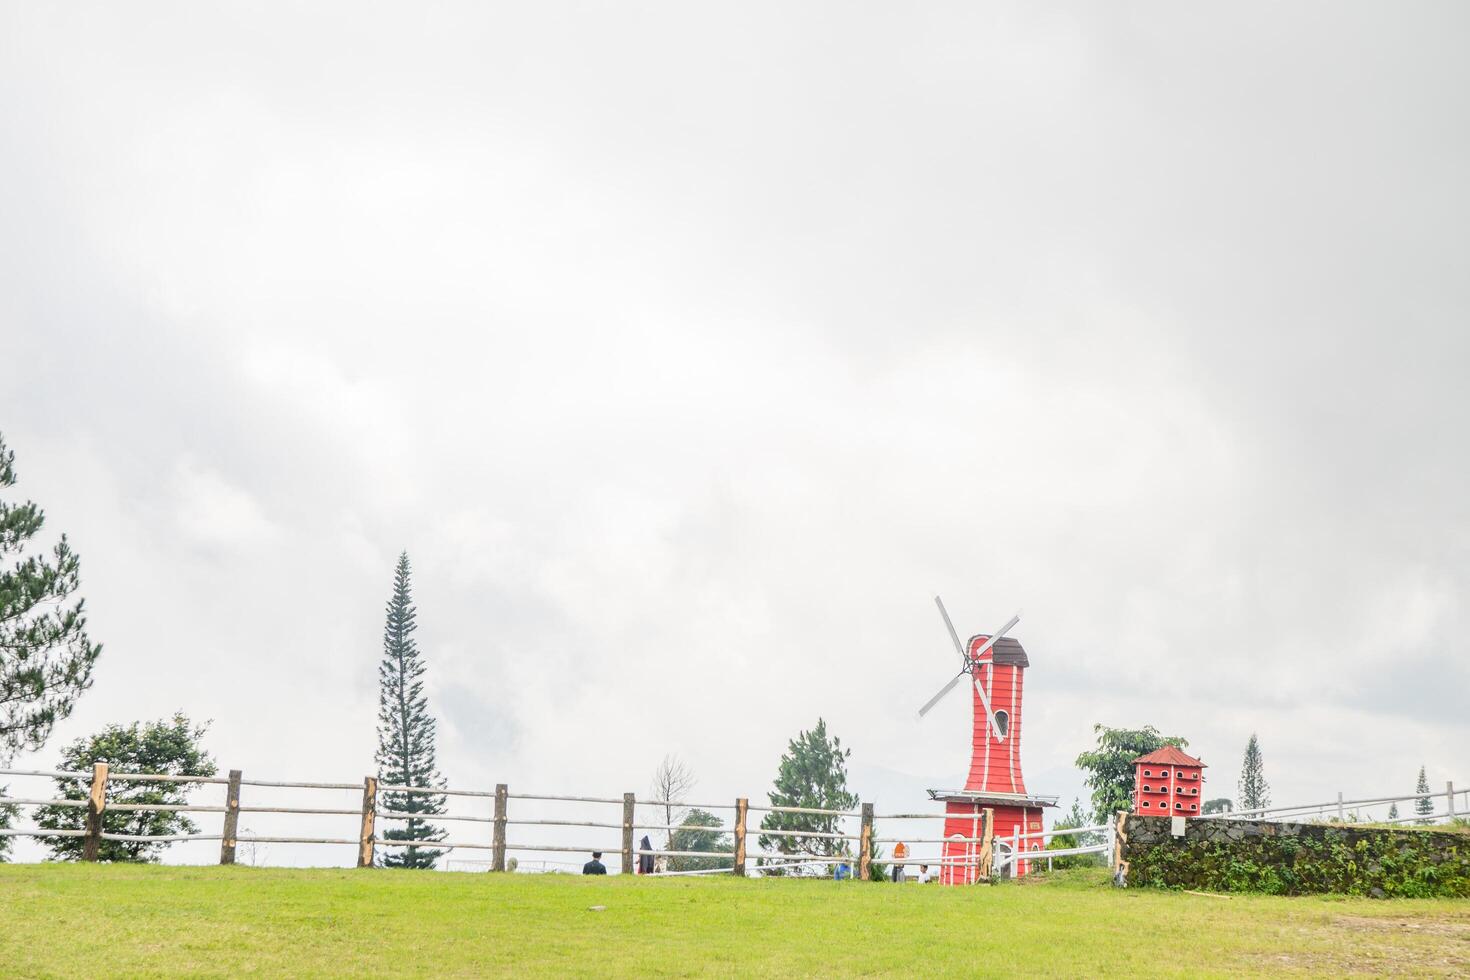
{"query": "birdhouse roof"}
(1170, 756)
(1007, 650)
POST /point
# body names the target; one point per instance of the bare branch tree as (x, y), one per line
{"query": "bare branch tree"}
(672, 780)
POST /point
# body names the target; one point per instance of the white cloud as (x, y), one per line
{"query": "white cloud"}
(688, 356)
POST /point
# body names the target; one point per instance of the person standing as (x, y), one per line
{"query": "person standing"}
(645, 860)
(595, 866)
(900, 852)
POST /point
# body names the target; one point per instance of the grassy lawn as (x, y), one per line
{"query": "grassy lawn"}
(74, 920)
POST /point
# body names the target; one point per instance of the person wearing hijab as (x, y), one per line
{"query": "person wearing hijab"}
(645, 861)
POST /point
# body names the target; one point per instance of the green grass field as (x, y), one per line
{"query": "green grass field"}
(76, 920)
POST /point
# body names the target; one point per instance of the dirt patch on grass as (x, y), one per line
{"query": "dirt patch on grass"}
(1390, 945)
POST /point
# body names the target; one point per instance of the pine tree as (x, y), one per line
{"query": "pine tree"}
(406, 733)
(45, 656)
(812, 775)
(1424, 806)
(1393, 811)
(1254, 792)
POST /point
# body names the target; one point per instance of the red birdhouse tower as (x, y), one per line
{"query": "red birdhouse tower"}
(997, 674)
(1167, 782)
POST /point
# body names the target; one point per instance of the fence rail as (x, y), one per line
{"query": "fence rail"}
(798, 848)
(980, 849)
(1341, 808)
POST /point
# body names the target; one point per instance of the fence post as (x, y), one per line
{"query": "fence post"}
(232, 819)
(1341, 815)
(369, 814)
(1120, 843)
(628, 866)
(987, 846)
(1449, 793)
(742, 806)
(865, 842)
(96, 803)
(497, 844)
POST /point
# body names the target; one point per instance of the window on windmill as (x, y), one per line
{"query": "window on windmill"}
(1145, 804)
(1179, 806)
(1146, 789)
(1148, 772)
(1194, 806)
(1002, 723)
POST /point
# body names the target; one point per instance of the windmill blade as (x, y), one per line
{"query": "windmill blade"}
(942, 692)
(985, 700)
(995, 636)
(959, 647)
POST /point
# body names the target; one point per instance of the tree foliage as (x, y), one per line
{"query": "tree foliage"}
(8, 813)
(1221, 804)
(700, 831)
(406, 734)
(812, 775)
(46, 657)
(1109, 765)
(1254, 792)
(1423, 806)
(1061, 842)
(167, 747)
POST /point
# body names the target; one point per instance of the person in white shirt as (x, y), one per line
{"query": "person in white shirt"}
(924, 878)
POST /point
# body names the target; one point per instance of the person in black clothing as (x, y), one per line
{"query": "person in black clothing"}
(645, 861)
(595, 866)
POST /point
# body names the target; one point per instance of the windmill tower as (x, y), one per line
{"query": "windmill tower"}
(996, 666)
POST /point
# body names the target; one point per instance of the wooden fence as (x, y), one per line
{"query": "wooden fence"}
(839, 847)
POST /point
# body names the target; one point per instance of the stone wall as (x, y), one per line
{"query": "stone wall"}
(1222, 854)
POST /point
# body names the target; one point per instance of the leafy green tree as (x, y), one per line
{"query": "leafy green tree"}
(1393, 811)
(1063, 842)
(406, 734)
(1220, 804)
(1253, 790)
(1423, 806)
(46, 657)
(812, 775)
(1109, 765)
(700, 831)
(167, 748)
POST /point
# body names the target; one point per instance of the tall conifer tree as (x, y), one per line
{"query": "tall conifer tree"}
(46, 657)
(1424, 807)
(406, 733)
(812, 775)
(1254, 792)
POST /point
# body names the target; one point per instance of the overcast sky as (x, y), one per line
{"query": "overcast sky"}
(690, 350)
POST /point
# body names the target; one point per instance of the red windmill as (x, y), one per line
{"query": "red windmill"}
(996, 667)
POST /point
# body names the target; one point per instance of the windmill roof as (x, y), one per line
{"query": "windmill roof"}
(1007, 650)
(1170, 756)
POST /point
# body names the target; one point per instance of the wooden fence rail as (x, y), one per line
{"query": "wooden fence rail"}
(369, 837)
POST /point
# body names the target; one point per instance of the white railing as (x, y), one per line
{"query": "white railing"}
(1010, 851)
(1344, 809)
